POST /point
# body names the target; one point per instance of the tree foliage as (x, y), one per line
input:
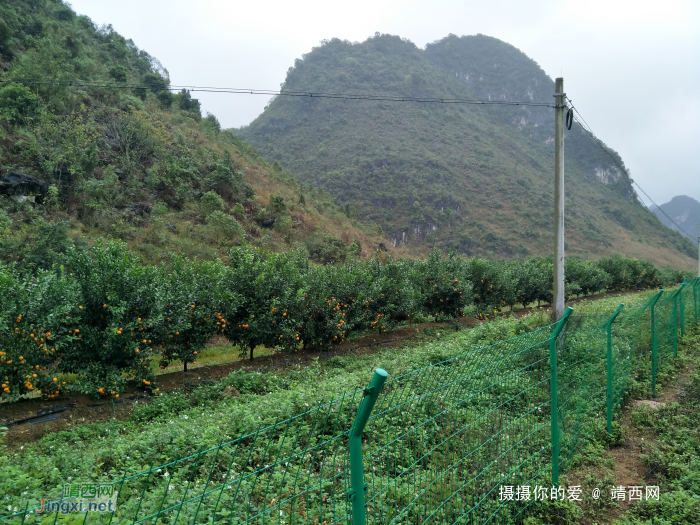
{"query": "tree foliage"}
(105, 316)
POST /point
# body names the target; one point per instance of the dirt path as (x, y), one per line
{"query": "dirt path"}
(627, 468)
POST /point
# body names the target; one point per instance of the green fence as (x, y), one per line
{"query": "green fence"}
(436, 445)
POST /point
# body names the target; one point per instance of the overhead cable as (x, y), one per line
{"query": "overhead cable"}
(582, 122)
(286, 93)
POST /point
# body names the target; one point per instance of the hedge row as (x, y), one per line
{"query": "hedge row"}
(105, 317)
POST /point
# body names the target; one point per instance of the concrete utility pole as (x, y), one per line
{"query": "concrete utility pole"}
(558, 282)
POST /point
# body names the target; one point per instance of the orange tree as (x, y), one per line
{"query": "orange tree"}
(268, 286)
(34, 311)
(535, 280)
(445, 285)
(196, 295)
(383, 293)
(486, 282)
(411, 289)
(327, 304)
(121, 306)
(627, 274)
(584, 277)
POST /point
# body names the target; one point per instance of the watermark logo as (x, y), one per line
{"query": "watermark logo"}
(82, 497)
(573, 493)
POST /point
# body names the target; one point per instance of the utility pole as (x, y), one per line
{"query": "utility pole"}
(698, 256)
(558, 281)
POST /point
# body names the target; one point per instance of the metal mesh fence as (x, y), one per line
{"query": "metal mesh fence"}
(436, 445)
(444, 437)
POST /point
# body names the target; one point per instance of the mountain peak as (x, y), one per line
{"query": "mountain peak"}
(476, 179)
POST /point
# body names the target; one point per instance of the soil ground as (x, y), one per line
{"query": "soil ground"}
(622, 464)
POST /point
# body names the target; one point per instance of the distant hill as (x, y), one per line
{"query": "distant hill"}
(685, 212)
(142, 165)
(477, 179)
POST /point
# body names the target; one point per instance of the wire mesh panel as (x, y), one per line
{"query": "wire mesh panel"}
(631, 349)
(688, 303)
(667, 319)
(443, 438)
(291, 472)
(582, 379)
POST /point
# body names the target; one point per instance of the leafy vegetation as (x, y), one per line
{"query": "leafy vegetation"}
(667, 454)
(110, 315)
(138, 164)
(168, 427)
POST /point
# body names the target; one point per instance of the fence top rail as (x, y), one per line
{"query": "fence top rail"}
(477, 351)
(615, 314)
(675, 293)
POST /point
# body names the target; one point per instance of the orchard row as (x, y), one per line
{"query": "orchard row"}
(105, 316)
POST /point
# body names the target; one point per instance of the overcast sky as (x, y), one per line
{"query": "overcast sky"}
(632, 68)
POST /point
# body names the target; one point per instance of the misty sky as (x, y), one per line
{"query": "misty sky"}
(632, 68)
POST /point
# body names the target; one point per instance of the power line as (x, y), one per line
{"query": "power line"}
(288, 93)
(349, 96)
(582, 122)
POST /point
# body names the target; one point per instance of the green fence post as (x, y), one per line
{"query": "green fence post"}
(609, 365)
(653, 343)
(695, 298)
(356, 494)
(675, 325)
(682, 310)
(554, 408)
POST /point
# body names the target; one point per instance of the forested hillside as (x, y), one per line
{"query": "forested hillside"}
(140, 164)
(474, 178)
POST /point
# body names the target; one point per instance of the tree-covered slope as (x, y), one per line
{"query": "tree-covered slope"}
(474, 178)
(685, 212)
(139, 164)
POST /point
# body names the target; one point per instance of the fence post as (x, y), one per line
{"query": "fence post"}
(554, 403)
(609, 365)
(682, 310)
(653, 343)
(695, 297)
(356, 494)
